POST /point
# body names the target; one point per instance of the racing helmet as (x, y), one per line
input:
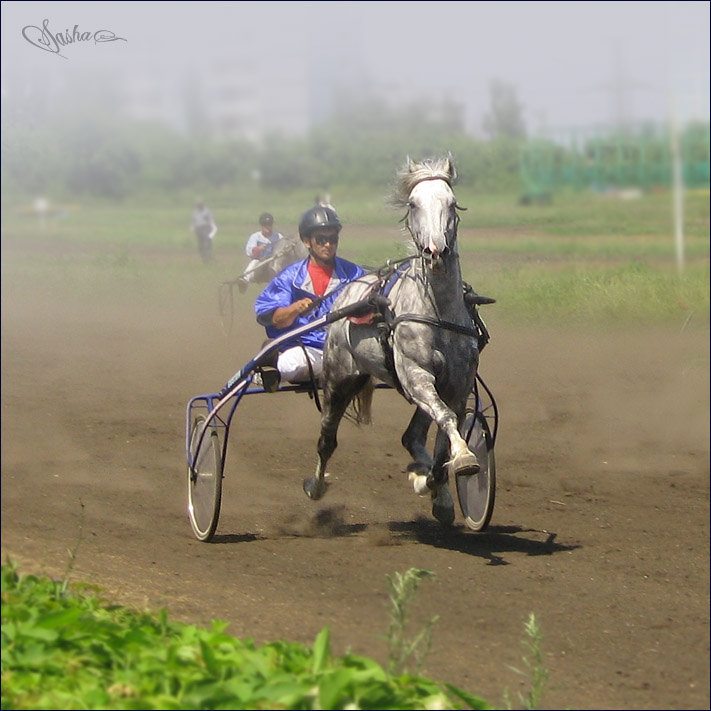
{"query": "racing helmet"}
(266, 219)
(318, 216)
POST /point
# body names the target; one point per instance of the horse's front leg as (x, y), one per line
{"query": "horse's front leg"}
(420, 385)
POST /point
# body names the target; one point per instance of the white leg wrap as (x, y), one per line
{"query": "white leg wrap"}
(419, 483)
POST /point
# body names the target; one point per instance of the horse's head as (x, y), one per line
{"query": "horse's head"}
(425, 189)
(288, 250)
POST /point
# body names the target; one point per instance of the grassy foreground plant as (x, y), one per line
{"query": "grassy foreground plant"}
(401, 648)
(63, 648)
(535, 670)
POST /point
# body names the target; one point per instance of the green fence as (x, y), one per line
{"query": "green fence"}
(608, 159)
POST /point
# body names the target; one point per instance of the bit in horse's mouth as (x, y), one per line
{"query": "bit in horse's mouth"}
(435, 259)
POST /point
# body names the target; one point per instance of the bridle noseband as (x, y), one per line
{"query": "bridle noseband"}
(450, 233)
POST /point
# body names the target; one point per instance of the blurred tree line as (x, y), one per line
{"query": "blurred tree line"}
(84, 149)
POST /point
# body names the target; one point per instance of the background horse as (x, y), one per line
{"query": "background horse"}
(286, 251)
(424, 345)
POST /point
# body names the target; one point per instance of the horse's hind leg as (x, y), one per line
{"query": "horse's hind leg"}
(414, 439)
(335, 402)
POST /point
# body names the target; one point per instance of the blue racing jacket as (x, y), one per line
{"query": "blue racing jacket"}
(294, 283)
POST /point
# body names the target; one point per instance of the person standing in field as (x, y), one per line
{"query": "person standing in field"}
(204, 227)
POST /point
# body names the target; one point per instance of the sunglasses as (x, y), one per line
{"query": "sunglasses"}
(324, 239)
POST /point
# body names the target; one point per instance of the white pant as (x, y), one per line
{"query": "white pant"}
(293, 366)
(250, 270)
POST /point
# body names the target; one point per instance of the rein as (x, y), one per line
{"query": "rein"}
(388, 275)
(383, 273)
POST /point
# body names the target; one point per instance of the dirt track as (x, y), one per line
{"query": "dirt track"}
(601, 526)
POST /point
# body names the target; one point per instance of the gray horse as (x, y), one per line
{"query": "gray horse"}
(286, 251)
(423, 344)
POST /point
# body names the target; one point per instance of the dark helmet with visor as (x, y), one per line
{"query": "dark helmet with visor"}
(317, 217)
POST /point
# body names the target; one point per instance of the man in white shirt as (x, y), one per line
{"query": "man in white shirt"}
(260, 247)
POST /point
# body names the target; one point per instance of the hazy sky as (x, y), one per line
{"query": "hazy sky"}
(572, 63)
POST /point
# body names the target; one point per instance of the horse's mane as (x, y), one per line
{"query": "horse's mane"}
(413, 173)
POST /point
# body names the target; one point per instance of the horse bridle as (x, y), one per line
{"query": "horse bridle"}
(422, 252)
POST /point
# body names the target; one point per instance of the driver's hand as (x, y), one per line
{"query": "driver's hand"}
(284, 316)
(302, 305)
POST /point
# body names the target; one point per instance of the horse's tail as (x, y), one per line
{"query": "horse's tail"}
(359, 410)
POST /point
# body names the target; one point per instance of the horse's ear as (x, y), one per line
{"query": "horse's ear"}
(409, 164)
(450, 168)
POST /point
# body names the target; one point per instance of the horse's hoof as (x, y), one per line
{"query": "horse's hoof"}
(315, 488)
(418, 468)
(443, 506)
(444, 514)
(419, 483)
(465, 465)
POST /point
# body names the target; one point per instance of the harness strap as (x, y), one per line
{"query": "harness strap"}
(387, 322)
(386, 286)
(447, 325)
(387, 328)
(314, 387)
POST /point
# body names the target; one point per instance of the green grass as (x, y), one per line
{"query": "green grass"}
(164, 220)
(535, 671)
(625, 294)
(587, 259)
(406, 648)
(68, 648)
(590, 214)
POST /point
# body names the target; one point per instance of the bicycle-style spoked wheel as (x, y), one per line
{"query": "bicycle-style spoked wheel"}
(225, 297)
(477, 492)
(204, 481)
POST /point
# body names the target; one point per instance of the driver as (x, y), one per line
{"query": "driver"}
(301, 293)
(260, 246)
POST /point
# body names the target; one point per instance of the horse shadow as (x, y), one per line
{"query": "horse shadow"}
(491, 544)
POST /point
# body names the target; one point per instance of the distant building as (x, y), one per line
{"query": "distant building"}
(246, 90)
(232, 98)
